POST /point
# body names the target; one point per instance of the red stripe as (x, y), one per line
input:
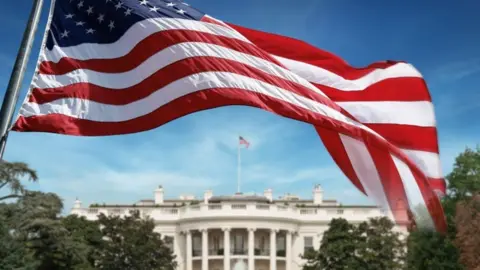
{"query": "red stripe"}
(166, 76)
(148, 47)
(213, 21)
(301, 51)
(391, 181)
(393, 89)
(198, 101)
(438, 184)
(331, 140)
(190, 103)
(409, 137)
(433, 203)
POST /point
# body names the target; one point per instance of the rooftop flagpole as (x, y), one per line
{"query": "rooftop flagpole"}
(11, 94)
(238, 167)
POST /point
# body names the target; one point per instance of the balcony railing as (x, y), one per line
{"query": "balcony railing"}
(220, 252)
(262, 252)
(215, 252)
(238, 251)
(250, 209)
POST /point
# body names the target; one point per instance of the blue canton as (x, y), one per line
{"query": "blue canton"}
(105, 21)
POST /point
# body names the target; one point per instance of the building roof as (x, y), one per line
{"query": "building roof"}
(240, 198)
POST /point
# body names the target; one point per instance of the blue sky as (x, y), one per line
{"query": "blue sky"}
(198, 152)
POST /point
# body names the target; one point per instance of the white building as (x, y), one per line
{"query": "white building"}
(240, 231)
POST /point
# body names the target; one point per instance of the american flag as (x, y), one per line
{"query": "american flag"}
(241, 141)
(123, 66)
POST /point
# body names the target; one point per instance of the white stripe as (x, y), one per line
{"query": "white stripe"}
(415, 113)
(428, 162)
(85, 109)
(416, 201)
(162, 59)
(366, 172)
(325, 77)
(133, 36)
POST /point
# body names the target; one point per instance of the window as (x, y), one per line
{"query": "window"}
(281, 242)
(239, 241)
(263, 243)
(307, 244)
(197, 245)
(216, 243)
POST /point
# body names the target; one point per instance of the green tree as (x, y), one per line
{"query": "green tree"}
(13, 253)
(379, 246)
(87, 236)
(11, 174)
(464, 180)
(40, 228)
(431, 250)
(337, 248)
(131, 243)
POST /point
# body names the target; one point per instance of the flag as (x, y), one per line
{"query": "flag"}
(118, 67)
(389, 97)
(241, 141)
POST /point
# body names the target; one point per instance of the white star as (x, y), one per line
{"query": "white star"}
(144, 2)
(181, 11)
(64, 34)
(118, 5)
(101, 18)
(111, 25)
(90, 10)
(90, 31)
(69, 16)
(79, 23)
(185, 4)
(80, 4)
(170, 4)
(128, 12)
(154, 9)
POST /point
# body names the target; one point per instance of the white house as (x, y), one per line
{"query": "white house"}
(241, 231)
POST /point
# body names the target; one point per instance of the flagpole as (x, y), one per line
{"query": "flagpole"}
(238, 168)
(11, 94)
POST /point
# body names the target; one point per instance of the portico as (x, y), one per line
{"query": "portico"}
(255, 246)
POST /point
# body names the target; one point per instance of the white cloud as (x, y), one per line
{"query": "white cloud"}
(185, 156)
(456, 70)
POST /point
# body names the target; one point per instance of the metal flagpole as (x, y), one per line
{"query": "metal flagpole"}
(11, 94)
(238, 168)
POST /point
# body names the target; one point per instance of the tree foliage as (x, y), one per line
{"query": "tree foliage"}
(11, 174)
(431, 250)
(380, 247)
(369, 245)
(464, 180)
(132, 244)
(337, 248)
(467, 239)
(34, 235)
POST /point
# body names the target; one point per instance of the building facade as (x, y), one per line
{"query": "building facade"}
(241, 231)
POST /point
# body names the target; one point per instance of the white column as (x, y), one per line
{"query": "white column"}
(273, 249)
(226, 248)
(204, 249)
(288, 251)
(251, 246)
(188, 259)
